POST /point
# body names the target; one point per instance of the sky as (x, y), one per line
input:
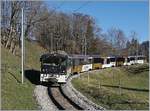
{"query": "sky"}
(126, 15)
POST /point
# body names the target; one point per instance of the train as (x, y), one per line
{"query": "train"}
(57, 67)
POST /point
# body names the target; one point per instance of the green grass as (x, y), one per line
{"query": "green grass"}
(33, 53)
(14, 95)
(114, 98)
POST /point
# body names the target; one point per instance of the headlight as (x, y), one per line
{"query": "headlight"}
(63, 71)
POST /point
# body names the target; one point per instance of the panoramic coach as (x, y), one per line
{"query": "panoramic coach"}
(81, 63)
(109, 62)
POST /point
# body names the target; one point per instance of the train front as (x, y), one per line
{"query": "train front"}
(53, 68)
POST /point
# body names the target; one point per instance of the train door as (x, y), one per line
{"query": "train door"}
(75, 66)
(106, 63)
(132, 60)
(87, 64)
(127, 61)
(69, 66)
(140, 60)
(113, 61)
(97, 63)
(120, 61)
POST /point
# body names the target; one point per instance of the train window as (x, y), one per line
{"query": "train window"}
(85, 61)
(140, 58)
(69, 62)
(102, 61)
(63, 62)
(128, 60)
(75, 62)
(81, 61)
(90, 61)
(108, 61)
(112, 59)
(121, 59)
(132, 58)
(54, 60)
(98, 60)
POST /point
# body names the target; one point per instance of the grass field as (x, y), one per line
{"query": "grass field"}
(14, 95)
(117, 88)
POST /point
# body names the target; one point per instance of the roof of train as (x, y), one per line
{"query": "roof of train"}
(79, 56)
(64, 54)
(48, 55)
(137, 56)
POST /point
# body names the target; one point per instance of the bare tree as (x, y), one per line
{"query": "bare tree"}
(11, 21)
(117, 39)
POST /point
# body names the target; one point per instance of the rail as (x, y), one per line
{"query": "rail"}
(61, 101)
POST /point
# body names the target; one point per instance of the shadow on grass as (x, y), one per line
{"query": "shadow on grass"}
(34, 77)
(18, 81)
(127, 88)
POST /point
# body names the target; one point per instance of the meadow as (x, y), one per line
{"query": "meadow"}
(117, 88)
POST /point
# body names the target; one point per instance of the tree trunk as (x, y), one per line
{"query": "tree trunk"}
(8, 42)
(11, 46)
(17, 50)
(9, 38)
(14, 49)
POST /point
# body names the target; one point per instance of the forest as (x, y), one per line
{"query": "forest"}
(75, 33)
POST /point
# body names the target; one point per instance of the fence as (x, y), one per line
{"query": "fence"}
(119, 89)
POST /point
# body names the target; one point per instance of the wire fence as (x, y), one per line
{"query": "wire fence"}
(123, 93)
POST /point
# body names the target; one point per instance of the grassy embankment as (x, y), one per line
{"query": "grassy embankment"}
(103, 87)
(14, 95)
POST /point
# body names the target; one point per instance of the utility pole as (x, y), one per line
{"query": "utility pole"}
(51, 42)
(137, 48)
(82, 42)
(85, 45)
(22, 46)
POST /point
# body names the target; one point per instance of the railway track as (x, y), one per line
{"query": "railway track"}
(61, 101)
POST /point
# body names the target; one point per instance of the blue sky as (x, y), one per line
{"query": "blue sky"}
(128, 16)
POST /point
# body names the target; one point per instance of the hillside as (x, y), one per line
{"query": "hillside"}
(103, 87)
(17, 96)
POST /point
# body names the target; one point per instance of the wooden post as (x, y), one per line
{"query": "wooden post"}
(99, 85)
(88, 79)
(79, 76)
(113, 77)
(119, 86)
(5, 68)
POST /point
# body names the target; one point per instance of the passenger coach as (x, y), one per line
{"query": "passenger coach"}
(97, 62)
(81, 63)
(109, 62)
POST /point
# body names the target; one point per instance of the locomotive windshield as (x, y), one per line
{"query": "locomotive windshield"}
(55, 61)
(53, 64)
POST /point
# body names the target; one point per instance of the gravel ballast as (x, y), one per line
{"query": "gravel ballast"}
(77, 97)
(42, 97)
